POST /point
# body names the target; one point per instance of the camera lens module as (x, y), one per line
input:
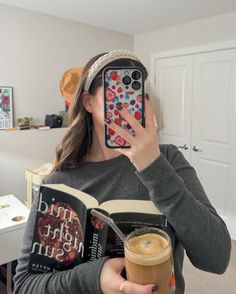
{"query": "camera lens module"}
(136, 75)
(136, 85)
(126, 80)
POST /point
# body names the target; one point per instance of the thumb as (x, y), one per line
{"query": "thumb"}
(121, 150)
(124, 151)
(118, 264)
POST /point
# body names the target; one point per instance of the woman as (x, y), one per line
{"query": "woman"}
(146, 170)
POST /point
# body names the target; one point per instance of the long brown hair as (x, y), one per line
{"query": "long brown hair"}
(76, 143)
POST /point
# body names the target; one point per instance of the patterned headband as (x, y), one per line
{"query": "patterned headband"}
(104, 60)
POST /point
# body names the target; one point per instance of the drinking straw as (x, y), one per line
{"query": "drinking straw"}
(110, 222)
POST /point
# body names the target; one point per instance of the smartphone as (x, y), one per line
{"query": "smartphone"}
(123, 87)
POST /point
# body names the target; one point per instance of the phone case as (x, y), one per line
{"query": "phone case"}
(123, 86)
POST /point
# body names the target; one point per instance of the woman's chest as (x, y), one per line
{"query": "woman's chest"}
(110, 184)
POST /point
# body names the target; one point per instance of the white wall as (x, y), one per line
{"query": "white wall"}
(24, 149)
(36, 49)
(199, 32)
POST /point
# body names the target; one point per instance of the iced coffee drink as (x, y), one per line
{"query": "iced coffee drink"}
(148, 259)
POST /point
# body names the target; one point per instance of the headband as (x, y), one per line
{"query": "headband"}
(103, 61)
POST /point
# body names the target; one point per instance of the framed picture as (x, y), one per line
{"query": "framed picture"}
(6, 107)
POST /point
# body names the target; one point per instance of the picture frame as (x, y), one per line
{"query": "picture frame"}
(6, 107)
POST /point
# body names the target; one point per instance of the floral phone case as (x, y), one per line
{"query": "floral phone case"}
(123, 86)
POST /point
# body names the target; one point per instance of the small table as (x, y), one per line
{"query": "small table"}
(13, 218)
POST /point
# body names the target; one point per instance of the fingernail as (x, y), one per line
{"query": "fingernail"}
(155, 288)
(147, 96)
(108, 121)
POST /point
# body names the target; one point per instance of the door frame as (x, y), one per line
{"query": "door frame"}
(193, 50)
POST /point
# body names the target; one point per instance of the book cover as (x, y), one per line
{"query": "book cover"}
(59, 231)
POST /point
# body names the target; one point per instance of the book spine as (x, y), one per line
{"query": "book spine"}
(95, 237)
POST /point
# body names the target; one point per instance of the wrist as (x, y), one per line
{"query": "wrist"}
(141, 164)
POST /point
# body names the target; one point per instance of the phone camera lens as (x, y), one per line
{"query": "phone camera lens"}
(136, 75)
(136, 85)
(126, 80)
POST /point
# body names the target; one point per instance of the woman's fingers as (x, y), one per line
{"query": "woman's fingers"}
(112, 282)
(130, 288)
(120, 131)
(133, 122)
(125, 286)
(149, 115)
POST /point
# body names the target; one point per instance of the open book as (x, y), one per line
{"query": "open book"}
(66, 234)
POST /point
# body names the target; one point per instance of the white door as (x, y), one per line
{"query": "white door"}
(173, 87)
(213, 125)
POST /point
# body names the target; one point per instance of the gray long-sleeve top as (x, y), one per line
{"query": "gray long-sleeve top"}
(172, 184)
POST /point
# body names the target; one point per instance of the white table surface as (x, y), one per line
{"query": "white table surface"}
(16, 208)
(11, 232)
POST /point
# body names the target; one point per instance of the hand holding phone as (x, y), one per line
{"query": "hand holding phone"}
(123, 87)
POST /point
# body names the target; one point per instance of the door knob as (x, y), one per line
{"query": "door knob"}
(196, 149)
(185, 147)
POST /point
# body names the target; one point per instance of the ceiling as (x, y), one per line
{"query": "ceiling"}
(133, 17)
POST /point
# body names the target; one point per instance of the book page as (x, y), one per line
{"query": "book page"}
(143, 206)
(88, 200)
